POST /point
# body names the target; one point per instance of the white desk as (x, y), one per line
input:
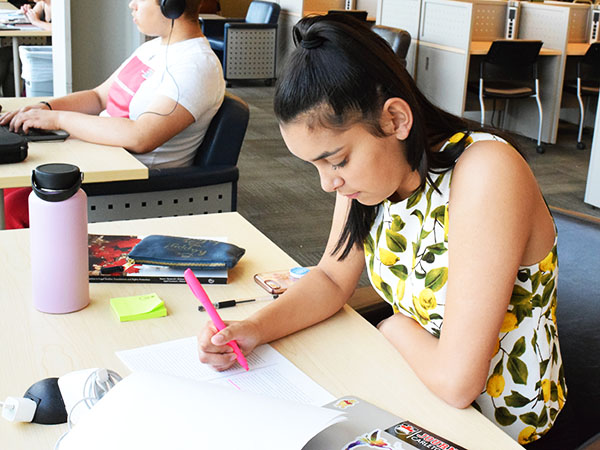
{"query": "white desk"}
(97, 162)
(344, 354)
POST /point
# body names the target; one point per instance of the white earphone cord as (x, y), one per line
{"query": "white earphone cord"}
(96, 385)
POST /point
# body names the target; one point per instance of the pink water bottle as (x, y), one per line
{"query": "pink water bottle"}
(58, 238)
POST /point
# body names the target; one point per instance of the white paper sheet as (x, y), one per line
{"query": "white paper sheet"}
(270, 372)
(153, 411)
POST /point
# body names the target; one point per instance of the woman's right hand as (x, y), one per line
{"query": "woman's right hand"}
(7, 118)
(213, 348)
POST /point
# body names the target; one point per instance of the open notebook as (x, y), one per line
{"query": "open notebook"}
(171, 400)
(154, 411)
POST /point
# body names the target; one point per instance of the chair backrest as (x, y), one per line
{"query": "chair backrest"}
(263, 12)
(511, 60)
(356, 13)
(592, 56)
(515, 53)
(398, 39)
(588, 67)
(223, 139)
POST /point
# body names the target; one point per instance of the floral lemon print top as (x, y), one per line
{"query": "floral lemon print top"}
(407, 259)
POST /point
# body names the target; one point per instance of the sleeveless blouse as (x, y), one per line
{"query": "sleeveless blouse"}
(406, 254)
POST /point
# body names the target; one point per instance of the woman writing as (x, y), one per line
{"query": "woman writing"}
(450, 223)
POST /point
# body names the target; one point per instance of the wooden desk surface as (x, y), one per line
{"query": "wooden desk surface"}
(577, 48)
(97, 162)
(482, 47)
(34, 32)
(344, 354)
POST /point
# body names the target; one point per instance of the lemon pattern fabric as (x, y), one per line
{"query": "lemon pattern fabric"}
(407, 259)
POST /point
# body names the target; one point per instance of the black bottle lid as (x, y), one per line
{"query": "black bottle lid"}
(56, 182)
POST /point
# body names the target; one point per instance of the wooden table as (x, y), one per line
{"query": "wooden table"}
(577, 48)
(345, 354)
(98, 163)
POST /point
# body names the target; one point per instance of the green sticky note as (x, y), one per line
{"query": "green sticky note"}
(138, 307)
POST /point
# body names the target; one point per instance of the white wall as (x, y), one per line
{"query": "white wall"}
(103, 35)
(91, 39)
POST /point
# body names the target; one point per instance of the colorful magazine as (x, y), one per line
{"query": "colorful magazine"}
(108, 262)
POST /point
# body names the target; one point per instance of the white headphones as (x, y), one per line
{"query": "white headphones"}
(43, 402)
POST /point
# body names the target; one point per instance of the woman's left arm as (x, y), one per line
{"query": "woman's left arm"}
(493, 194)
(143, 135)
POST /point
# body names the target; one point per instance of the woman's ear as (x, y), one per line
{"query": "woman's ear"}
(397, 117)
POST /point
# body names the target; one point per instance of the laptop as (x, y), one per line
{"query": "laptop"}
(368, 426)
(37, 135)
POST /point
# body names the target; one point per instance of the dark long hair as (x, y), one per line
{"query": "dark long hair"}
(341, 73)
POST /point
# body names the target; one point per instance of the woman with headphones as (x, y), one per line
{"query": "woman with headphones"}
(157, 104)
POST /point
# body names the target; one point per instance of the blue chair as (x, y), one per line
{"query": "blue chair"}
(246, 47)
(208, 186)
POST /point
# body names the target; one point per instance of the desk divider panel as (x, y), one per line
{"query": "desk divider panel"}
(443, 56)
(446, 23)
(489, 21)
(579, 33)
(550, 24)
(404, 14)
(579, 20)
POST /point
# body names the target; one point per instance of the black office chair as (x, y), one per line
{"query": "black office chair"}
(509, 71)
(356, 13)
(208, 186)
(586, 84)
(398, 39)
(247, 47)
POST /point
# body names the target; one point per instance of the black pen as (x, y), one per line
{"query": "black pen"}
(231, 303)
(107, 270)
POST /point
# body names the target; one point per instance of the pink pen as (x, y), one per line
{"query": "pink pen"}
(200, 294)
